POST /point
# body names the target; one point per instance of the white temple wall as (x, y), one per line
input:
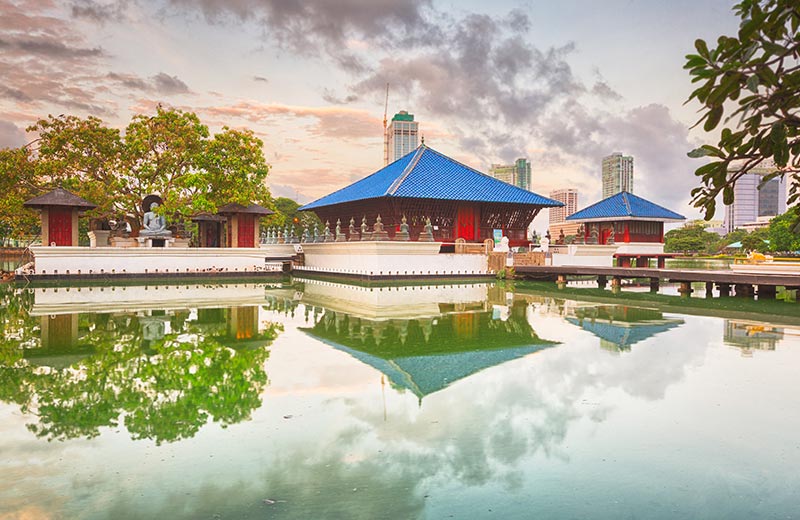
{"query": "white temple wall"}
(601, 255)
(140, 260)
(390, 259)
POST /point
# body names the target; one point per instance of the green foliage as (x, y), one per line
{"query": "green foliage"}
(171, 154)
(782, 235)
(750, 83)
(506, 273)
(691, 238)
(163, 390)
(756, 241)
(286, 214)
(735, 236)
(17, 184)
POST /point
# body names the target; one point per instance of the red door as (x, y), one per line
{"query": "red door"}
(60, 226)
(465, 227)
(246, 230)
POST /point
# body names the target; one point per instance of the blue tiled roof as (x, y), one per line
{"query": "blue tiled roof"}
(623, 337)
(424, 375)
(625, 204)
(427, 174)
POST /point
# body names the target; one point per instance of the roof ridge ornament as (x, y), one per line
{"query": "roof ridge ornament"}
(627, 202)
(409, 168)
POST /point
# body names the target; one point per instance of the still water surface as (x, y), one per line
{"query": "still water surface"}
(324, 400)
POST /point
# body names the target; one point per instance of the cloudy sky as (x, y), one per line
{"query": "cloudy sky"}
(563, 83)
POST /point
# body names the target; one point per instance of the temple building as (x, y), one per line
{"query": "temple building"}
(626, 218)
(460, 201)
(623, 227)
(59, 216)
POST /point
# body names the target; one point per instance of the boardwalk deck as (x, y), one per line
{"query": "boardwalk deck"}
(670, 275)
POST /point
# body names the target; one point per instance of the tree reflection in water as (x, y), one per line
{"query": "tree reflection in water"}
(161, 376)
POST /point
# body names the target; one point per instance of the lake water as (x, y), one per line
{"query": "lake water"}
(317, 399)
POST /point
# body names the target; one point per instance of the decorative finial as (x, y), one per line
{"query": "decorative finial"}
(423, 140)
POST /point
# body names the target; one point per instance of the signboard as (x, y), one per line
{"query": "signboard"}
(497, 234)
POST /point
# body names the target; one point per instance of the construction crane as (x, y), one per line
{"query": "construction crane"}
(385, 133)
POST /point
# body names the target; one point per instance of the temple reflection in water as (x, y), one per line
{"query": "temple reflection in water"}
(164, 360)
(619, 327)
(749, 336)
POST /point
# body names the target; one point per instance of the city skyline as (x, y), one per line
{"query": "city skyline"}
(519, 173)
(491, 82)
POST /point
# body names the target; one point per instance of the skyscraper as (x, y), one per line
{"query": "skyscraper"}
(751, 202)
(617, 174)
(518, 174)
(403, 135)
(569, 196)
(558, 224)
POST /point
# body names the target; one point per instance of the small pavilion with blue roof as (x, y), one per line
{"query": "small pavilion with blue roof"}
(625, 218)
(460, 201)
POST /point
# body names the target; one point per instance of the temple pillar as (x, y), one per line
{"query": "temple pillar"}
(233, 230)
(654, 285)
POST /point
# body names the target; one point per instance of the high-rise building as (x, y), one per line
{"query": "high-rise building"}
(559, 226)
(569, 197)
(753, 204)
(518, 174)
(403, 135)
(617, 174)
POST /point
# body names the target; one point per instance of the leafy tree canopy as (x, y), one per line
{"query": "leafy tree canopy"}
(286, 214)
(691, 238)
(781, 234)
(756, 241)
(171, 154)
(750, 83)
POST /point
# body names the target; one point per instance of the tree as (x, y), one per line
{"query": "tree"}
(171, 154)
(781, 235)
(690, 238)
(735, 236)
(754, 78)
(17, 184)
(756, 241)
(286, 214)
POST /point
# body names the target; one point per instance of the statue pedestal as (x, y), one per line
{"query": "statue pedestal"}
(99, 238)
(155, 241)
(123, 242)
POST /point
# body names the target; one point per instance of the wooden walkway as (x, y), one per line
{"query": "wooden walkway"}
(744, 284)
